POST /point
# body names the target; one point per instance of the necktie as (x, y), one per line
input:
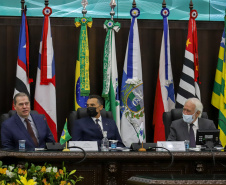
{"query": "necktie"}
(30, 131)
(97, 120)
(192, 136)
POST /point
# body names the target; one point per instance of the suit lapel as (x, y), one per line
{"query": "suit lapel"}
(22, 127)
(105, 125)
(36, 120)
(185, 130)
(94, 126)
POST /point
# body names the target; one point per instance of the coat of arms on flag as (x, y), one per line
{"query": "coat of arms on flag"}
(132, 101)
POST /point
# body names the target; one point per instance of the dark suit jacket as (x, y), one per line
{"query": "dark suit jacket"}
(179, 129)
(85, 129)
(13, 130)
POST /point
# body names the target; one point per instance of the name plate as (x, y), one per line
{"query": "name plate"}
(85, 145)
(171, 145)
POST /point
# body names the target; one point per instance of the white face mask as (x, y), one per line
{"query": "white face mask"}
(188, 118)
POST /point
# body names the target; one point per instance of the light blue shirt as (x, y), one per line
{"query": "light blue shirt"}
(32, 125)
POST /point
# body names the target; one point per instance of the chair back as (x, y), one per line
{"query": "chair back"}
(81, 113)
(174, 114)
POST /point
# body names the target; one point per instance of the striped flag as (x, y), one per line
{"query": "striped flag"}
(22, 70)
(110, 72)
(164, 96)
(45, 91)
(189, 82)
(219, 90)
(82, 84)
(131, 100)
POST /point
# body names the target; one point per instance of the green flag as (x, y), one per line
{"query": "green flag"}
(219, 90)
(83, 54)
(110, 72)
(65, 136)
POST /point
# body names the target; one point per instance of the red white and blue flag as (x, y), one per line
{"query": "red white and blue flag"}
(45, 91)
(164, 96)
(22, 71)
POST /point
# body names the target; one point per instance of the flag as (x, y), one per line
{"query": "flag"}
(131, 99)
(82, 84)
(45, 91)
(141, 133)
(65, 136)
(22, 70)
(219, 91)
(164, 96)
(80, 101)
(110, 72)
(189, 82)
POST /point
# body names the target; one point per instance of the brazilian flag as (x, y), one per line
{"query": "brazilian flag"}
(65, 136)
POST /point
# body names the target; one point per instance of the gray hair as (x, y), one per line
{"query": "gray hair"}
(197, 103)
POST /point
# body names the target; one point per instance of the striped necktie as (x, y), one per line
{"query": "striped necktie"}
(97, 123)
(31, 132)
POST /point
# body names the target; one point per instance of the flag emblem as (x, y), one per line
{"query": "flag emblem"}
(47, 11)
(63, 134)
(165, 12)
(83, 20)
(134, 98)
(110, 24)
(194, 14)
(135, 12)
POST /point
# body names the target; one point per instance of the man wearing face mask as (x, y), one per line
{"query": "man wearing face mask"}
(186, 127)
(91, 128)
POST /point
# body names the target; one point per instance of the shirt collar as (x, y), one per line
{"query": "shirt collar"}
(29, 118)
(94, 119)
(195, 123)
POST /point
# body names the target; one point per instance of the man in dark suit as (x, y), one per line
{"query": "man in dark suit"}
(25, 126)
(192, 111)
(91, 128)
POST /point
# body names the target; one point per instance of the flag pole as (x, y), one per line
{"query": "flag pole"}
(134, 5)
(191, 5)
(22, 6)
(112, 5)
(46, 3)
(84, 4)
(66, 149)
(164, 4)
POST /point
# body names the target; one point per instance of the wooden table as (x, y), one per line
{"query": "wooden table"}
(103, 168)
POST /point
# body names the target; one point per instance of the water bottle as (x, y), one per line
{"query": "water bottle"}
(105, 142)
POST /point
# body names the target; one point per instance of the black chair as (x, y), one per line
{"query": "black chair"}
(81, 113)
(8, 115)
(174, 114)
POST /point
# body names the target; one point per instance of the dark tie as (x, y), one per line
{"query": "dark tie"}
(97, 120)
(192, 136)
(30, 131)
